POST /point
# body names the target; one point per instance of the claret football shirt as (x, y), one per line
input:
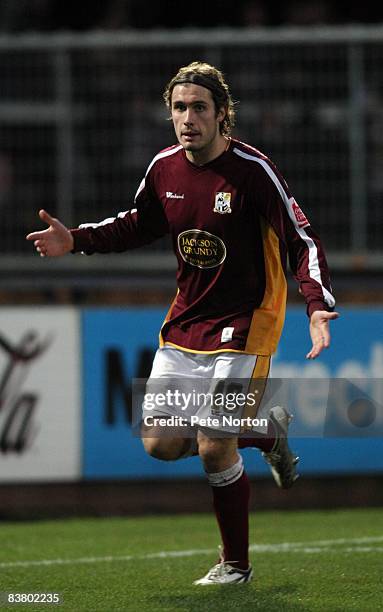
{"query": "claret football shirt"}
(233, 223)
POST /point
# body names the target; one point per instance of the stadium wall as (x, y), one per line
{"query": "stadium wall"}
(66, 410)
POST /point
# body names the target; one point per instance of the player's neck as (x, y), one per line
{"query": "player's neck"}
(208, 154)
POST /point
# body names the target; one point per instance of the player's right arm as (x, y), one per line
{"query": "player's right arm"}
(54, 241)
(128, 230)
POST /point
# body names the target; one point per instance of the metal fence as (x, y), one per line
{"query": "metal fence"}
(81, 116)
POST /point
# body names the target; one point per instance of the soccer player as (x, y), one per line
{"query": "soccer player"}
(233, 222)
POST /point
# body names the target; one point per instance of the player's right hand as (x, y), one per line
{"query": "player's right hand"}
(54, 241)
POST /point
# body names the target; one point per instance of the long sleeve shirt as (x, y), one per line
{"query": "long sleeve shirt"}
(233, 223)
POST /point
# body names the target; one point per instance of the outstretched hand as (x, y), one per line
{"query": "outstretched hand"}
(319, 331)
(54, 241)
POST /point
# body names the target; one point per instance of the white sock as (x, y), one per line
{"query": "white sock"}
(227, 477)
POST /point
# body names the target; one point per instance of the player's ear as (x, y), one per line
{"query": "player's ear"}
(221, 114)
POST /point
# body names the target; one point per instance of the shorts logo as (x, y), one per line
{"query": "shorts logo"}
(222, 203)
(299, 215)
(201, 249)
(227, 334)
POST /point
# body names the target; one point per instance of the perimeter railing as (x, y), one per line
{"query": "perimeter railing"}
(81, 117)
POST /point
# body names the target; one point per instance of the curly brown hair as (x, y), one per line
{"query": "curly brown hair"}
(201, 73)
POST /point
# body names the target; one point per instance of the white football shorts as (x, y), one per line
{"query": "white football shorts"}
(220, 392)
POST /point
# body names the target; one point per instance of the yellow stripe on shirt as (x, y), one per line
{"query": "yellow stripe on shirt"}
(268, 320)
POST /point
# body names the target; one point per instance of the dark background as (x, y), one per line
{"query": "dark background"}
(53, 15)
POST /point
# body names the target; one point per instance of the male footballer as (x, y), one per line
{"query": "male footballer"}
(233, 223)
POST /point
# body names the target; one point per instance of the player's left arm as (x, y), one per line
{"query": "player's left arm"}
(306, 255)
(309, 267)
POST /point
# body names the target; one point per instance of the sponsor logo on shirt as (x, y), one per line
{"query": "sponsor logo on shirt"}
(201, 249)
(299, 215)
(175, 196)
(222, 203)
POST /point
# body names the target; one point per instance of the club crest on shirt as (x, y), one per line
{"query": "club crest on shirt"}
(222, 203)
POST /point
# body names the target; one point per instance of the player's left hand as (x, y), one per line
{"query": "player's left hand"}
(319, 331)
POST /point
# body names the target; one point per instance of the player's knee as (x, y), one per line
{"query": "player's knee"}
(215, 453)
(166, 450)
(210, 452)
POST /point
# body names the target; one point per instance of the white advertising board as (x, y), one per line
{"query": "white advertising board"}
(40, 394)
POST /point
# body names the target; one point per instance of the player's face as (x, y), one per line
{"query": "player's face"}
(196, 122)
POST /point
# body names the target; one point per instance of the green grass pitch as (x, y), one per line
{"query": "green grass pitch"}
(328, 561)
